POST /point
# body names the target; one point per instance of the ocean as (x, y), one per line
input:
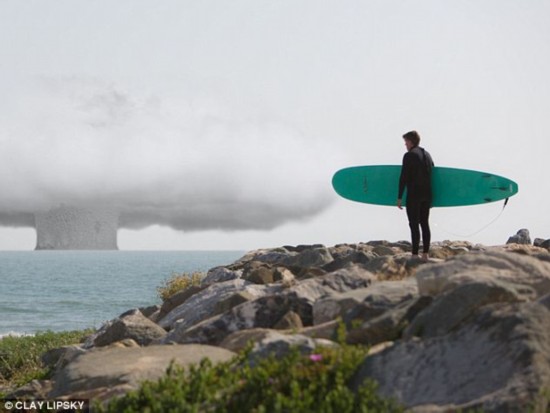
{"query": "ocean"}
(73, 290)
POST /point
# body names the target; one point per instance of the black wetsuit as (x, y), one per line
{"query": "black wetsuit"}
(416, 176)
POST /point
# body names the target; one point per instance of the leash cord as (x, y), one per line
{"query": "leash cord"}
(479, 230)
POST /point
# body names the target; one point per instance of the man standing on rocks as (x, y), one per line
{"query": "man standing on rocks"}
(416, 177)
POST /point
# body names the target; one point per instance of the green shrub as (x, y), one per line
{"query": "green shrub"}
(177, 283)
(20, 356)
(294, 383)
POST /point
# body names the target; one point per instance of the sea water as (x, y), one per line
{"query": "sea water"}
(72, 290)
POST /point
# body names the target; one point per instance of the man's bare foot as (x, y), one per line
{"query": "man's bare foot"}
(425, 257)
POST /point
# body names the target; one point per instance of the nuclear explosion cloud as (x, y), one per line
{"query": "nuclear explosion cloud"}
(187, 163)
(76, 229)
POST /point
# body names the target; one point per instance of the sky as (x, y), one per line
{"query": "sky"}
(218, 125)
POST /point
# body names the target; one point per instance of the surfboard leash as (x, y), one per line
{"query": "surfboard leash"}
(482, 228)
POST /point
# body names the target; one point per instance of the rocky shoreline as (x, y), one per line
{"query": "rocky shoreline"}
(470, 328)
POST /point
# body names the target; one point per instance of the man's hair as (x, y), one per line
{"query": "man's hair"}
(412, 136)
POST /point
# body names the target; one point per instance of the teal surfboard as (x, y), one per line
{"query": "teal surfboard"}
(378, 184)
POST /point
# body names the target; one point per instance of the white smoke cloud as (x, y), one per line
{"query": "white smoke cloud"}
(185, 162)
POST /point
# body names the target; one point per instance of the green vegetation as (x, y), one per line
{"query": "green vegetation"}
(20, 356)
(294, 383)
(179, 282)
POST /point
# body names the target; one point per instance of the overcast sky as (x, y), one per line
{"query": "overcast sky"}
(218, 125)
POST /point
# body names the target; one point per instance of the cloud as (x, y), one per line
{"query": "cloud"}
(187, 162)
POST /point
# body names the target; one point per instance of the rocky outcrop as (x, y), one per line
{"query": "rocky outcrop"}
(110, 371)
(527, 275)
(468, 329)
(203, 304)
(499, 361)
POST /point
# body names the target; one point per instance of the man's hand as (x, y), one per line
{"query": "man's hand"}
(399, 204)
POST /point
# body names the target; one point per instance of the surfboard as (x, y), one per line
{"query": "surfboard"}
(378, 184)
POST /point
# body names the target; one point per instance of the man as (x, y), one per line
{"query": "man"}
(416, 177)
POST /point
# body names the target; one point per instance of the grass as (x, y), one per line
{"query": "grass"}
(177, 283)
(20, 356)
(294, 383)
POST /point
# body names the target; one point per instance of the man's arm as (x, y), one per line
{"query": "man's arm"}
(403, 179)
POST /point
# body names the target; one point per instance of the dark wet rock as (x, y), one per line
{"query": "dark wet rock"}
(521, 237)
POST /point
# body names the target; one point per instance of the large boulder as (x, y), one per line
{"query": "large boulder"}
(499, 362)
(451, 309)
(178, 299)
(521, 237)
(113, 371)
(203, 304)
(389, 325)
(131, 325)
(220, 274)
(314, 257)
(528, 275)
(366, 302)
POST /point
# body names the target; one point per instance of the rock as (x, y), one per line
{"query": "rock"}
(268, 342)
(447, 249)
(290, 321)
(51, 357)
(382, 250)
(521, 237)
(240, 340)
(316, 257)
(202, 305)
(233, 301)
(264, 312)
(278, 345)
(499, 361)
(133, 326)
(389, 325)
(340, 281)
(178, 299)
(364, 303)
(261, 275)
(284, 276)
(350, 257)
(302, 247)
(276, 256)
(449, 310)
(35, 389)
(267, 311)
(113, 367)
(125, 343)
(149, 311)
(498, 266)
(392, 267)
(220, 274)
